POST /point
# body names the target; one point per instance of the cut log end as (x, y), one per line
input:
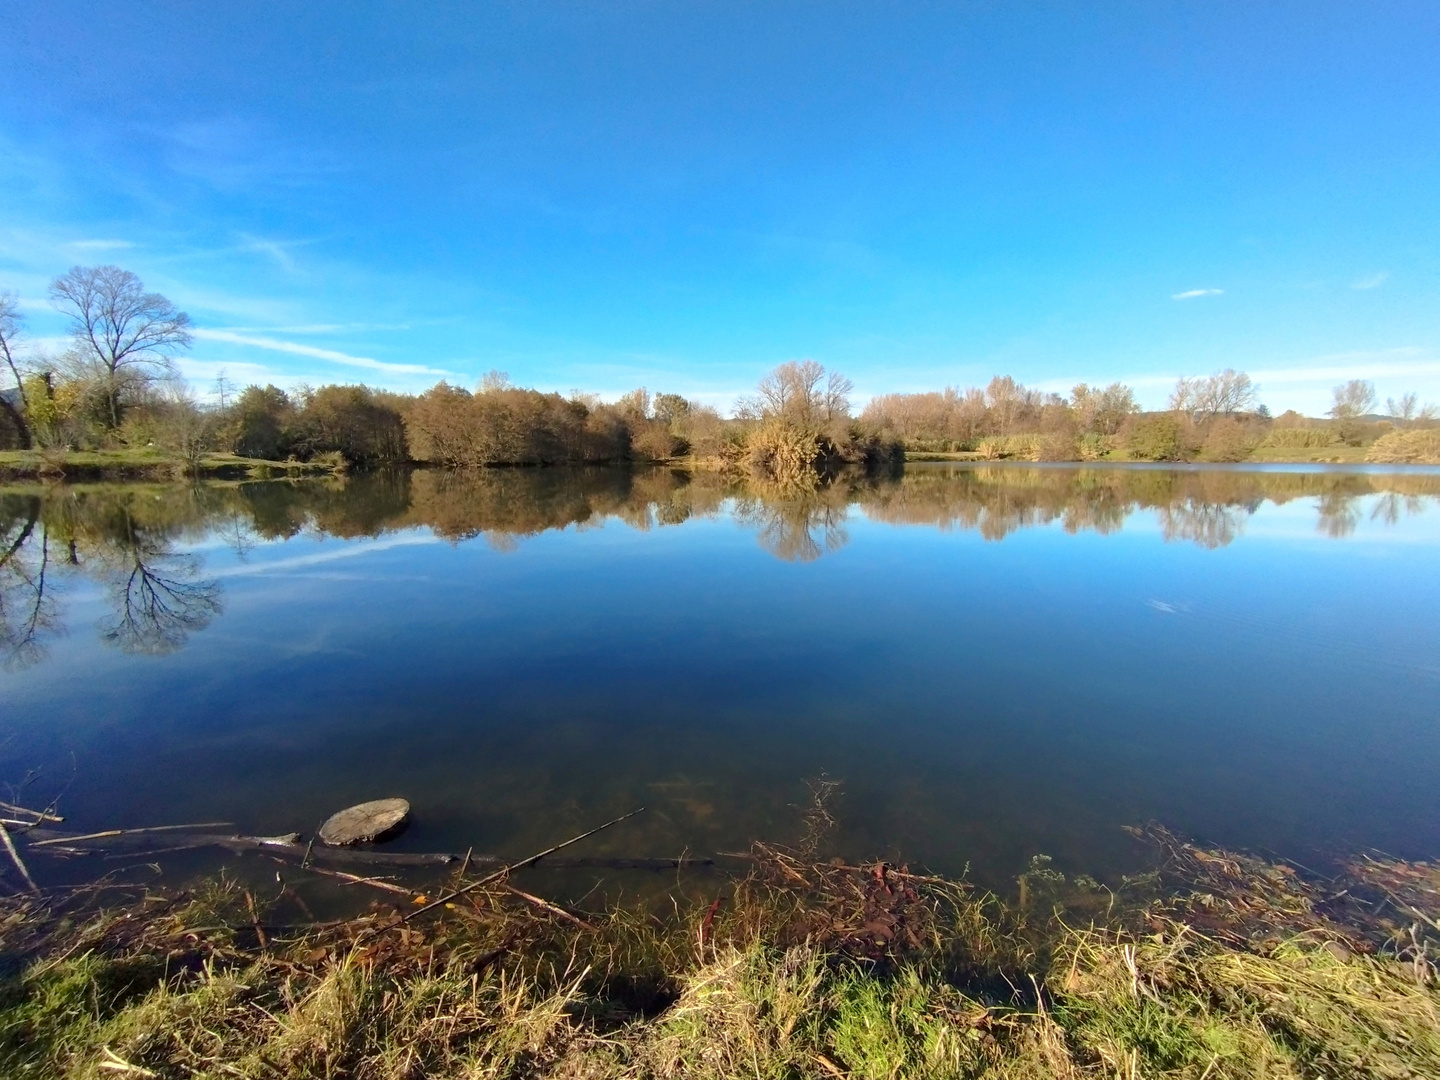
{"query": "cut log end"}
(365, 823)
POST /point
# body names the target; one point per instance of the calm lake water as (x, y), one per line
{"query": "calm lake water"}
(993, 661)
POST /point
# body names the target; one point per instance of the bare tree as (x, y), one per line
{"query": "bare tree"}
(801, 391)
(1009, 403)
(1103, 410)
(1231, 392)
(1353, 399)
(127, 334)
(789, 389)
(224, 389)
(1407, 411)
(12, 326)
(837, 396)
(1223, 394)
(1403, 411)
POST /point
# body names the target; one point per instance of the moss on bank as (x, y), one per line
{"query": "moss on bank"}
(1218, 965)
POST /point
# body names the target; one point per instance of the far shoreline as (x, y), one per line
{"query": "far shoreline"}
(82, 466)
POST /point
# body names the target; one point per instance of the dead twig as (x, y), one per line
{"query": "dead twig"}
(502, 872)
(553, 909)
(19, 862)
(353, 879)
(38, 815)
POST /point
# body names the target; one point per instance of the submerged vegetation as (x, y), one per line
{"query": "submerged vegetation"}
(1215, 964)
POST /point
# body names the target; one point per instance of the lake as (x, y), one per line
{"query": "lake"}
(993, 661)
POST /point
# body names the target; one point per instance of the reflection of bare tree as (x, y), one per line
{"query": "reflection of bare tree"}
(1339, 514)
(798, 530)
(159, 599)
(1207, 524)
(239, 535)
(1391, 507)
(27, 605)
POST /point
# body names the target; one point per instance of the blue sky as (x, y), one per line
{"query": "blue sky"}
(682, 195)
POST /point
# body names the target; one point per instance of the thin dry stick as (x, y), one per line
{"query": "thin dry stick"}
(130, 832)
(19, 862)
(502, 872)
(39, 815)
(553, 909)
(353, 879)
(255, 920)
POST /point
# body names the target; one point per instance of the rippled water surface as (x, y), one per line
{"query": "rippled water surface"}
(995, 662)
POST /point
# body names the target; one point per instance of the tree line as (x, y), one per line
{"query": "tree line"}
(116, 386)
(1216, 417)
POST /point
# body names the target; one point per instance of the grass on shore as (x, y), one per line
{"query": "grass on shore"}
(146, 463)
(1218, 966)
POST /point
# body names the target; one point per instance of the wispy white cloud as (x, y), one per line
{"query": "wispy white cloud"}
(1374, 281)
(1384, 364)
(99, 245)
(316, 328)
(206, 371)
(332, 355)
(274, 249)
(351, 550)
(1404, 362)
(1191, 294)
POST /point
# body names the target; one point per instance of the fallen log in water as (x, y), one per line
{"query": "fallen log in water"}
(132, 843)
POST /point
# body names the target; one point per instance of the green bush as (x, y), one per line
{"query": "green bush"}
(1157, 438)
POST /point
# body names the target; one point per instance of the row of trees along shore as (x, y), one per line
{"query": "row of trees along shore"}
(116, 387)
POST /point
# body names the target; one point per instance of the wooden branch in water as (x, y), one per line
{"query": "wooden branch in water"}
(130, 832)
(130, 842)
(553, 909)
(353, 879)
(38, 815)
(19, 862)
(504, 870)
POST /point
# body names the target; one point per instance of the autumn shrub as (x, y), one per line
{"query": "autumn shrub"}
(1299, 438)
(1058, 446)
(1227, 440)
(1420, 447)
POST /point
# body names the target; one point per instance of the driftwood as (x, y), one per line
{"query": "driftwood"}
(366, 822)
(505, 871)
(132, 843)
(352, 879)
(553, 909)
(108, 833)
(38, 815)
(19, 862)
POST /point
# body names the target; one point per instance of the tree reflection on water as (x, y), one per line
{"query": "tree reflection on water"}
(138, 541)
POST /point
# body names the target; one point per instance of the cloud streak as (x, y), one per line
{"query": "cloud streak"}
(1374, 281)
(333, 356)
(99, 245)
(1191, 294)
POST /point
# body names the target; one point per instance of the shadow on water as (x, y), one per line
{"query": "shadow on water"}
(131, 539)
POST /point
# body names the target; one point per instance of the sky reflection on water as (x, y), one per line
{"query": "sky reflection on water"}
(995, 661)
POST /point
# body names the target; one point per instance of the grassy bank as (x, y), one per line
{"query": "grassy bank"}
(147, 464)
(1217, 965)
